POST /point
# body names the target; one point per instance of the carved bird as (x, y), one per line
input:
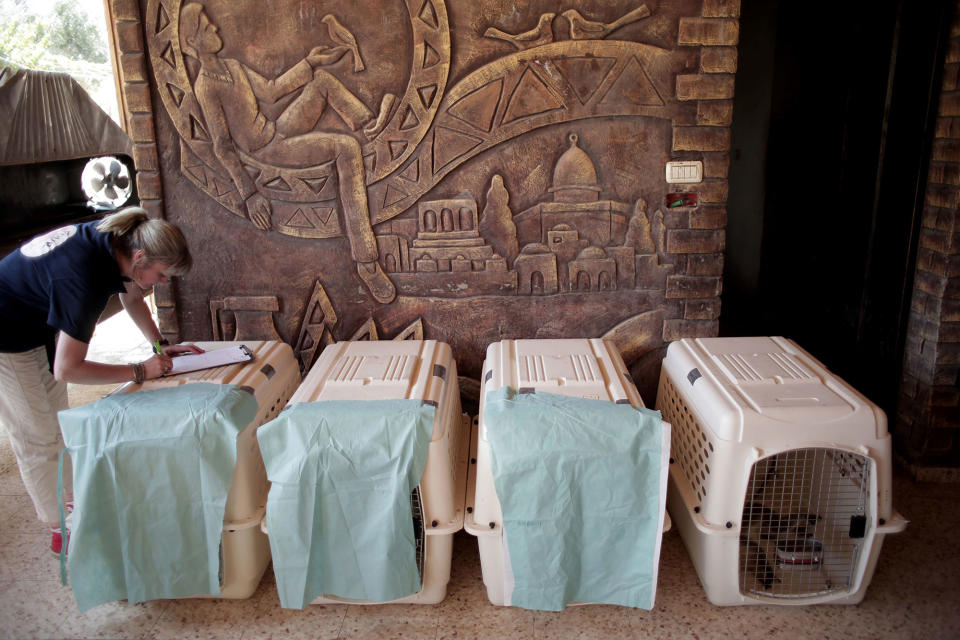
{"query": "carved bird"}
(541, 34)
(583, 29)
(341, 35)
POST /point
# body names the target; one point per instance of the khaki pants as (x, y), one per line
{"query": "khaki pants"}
(30, 398)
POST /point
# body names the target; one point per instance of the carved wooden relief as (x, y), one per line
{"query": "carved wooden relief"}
(476, 170)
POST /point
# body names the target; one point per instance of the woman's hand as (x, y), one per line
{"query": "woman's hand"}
(180, 349)
(157, 366)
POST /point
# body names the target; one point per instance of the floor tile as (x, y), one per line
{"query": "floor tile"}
(204, 618)
(119, 620)
(35, 609)
(25, 556)
(17, 515)
(314, 622)
(387, 621)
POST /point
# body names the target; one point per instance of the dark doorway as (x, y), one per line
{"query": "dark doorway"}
(833, 118)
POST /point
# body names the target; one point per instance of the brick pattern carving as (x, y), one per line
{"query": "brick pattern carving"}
(927, 426)
(137, 107)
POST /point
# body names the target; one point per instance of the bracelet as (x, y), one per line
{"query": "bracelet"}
(139, 372)
(163, 342)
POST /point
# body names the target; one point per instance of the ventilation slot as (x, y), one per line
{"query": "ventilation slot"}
(689, 444)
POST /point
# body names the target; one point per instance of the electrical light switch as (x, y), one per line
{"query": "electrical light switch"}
(688, 171)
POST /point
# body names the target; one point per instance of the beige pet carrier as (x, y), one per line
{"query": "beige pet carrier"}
(411, 369)
(273, 376)
(575, 367)
(781, 472)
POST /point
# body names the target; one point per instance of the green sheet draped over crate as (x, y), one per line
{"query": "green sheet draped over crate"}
(151, 473)
(580, 484)
(338, 512)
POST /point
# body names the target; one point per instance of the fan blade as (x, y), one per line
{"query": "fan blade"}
(123, 182)
(110, 192)
(101, 171)
(114, 168)
(96, 184)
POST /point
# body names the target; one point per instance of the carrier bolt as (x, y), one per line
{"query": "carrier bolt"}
(493, 525)
(672, 460)
(696, 509)
(434, 523)
(469, 509)
(473, 461)
(729, 525)
(882, 522)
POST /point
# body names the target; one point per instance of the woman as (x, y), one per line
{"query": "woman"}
(52, 292)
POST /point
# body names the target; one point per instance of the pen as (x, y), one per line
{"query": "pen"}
(156, 347)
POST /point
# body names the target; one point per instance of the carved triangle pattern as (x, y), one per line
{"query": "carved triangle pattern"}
(393, 196)
(323, 213)
(396, 148)
(176, 93)
(413, 332)
(162, 19)
(197, 131)
(278, 184)
(299, 219)
(198, 172)
(412, 172)
(430, 55)
(167, 56)
(531, 97)
(428, 14)
(410, 120)
(368, 331)
(315, 184)
(479, 107)
(585, 74)
(449, 144)
(633, 86)
(427, 94)
(221, 187)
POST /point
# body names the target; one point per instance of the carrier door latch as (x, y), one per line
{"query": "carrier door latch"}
(858, 526)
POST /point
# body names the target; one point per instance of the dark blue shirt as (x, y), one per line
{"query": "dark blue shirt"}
(59, 281)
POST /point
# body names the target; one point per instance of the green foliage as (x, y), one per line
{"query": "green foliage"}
(23, 42)
(73, 36)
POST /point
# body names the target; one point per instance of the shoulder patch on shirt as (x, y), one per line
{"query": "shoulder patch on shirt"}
(44, 244)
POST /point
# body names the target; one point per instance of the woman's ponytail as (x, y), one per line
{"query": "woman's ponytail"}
(162, 242)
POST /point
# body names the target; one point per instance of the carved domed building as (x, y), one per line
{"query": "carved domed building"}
(576, 203)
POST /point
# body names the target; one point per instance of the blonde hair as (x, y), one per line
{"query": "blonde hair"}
(162, 242)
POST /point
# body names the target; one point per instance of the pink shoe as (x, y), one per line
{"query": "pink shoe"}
(56, 534)
(56, 540)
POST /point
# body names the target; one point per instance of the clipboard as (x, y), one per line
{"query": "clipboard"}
(209, 359)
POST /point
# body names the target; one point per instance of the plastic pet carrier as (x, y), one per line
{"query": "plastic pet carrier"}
(273, 376)
(583, 368)
(781, 472)
(411, 369)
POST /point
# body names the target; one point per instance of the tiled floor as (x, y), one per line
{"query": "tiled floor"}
(915, 592)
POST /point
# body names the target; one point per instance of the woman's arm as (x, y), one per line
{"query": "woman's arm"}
(71, 365)
(134, 304)
(132, 300)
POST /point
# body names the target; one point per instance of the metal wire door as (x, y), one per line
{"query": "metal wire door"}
(806, 516)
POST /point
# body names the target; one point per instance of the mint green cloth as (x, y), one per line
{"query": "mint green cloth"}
(338, 512)
(580, 486)
(151, 473)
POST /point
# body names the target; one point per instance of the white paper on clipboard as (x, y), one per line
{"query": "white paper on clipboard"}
(210, 359)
